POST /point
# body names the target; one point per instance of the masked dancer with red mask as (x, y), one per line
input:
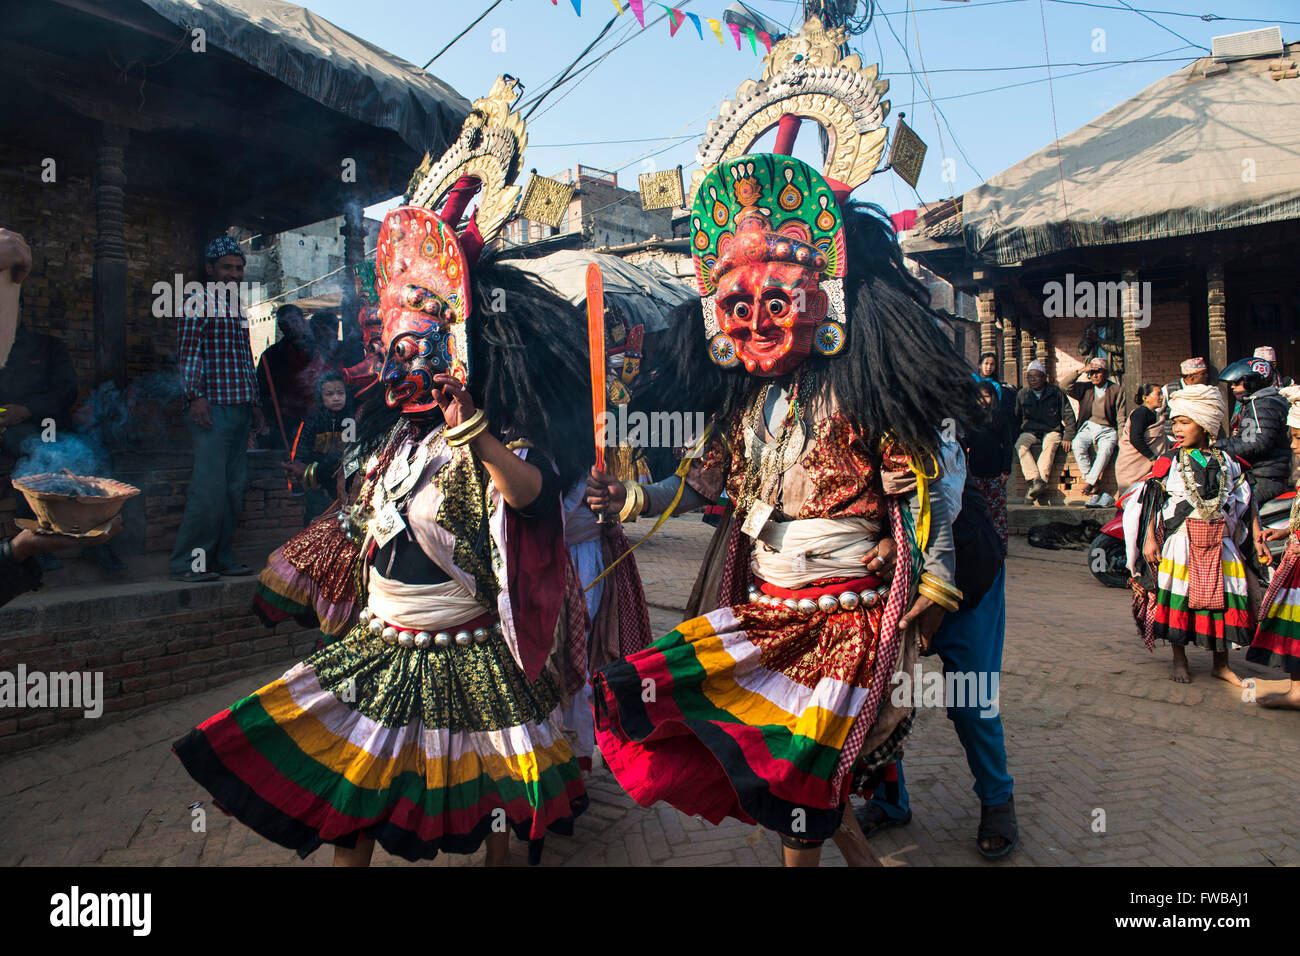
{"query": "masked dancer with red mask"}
(432, 723)
(832, 381)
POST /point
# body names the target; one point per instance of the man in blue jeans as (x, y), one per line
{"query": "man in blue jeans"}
(216, 366)
(969, 642)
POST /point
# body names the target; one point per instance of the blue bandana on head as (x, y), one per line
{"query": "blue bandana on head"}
(222, 246)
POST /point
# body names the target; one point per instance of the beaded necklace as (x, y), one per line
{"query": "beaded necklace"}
(1208, 510)
(766, 461)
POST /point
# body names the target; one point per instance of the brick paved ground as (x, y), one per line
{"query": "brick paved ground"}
(1186, 774)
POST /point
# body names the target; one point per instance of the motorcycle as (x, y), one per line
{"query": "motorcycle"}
(1108, 555)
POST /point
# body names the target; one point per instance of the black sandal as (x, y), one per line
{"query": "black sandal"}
(998, 823)
(872, 819)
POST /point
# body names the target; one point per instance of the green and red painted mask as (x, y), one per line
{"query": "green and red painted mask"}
(768, 248)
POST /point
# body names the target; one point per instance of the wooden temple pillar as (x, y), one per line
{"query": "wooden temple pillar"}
(1131, 314)
(108, 275)
(1026, 352)
(986, 307)
(1010, 358)
(1217, 310)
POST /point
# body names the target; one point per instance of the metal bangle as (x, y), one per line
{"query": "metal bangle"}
(464, 438)
(468, 425)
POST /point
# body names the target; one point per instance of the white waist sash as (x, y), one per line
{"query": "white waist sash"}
(422, 607)
(790, 554)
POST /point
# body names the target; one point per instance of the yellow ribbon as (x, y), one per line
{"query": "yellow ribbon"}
(923, 499)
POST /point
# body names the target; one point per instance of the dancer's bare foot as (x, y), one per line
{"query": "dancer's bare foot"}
(1288, 701)
(1179, 672)
(1223, 672)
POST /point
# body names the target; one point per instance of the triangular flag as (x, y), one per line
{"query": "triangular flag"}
(696, 20)
(577, 6)
(675, 19)
(618, 8)
(638, 10)
(753, 41)
(765, 37)
(735, 32)
(716, 27)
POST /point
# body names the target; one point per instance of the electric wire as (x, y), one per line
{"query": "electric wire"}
(493, 6)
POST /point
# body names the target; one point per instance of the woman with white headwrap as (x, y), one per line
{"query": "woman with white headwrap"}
(1184, 534)
(1277, 642)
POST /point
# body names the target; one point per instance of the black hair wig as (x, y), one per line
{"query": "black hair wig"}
(898, 373)
(528, 365)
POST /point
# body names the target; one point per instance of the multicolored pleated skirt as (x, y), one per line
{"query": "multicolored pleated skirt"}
(746, 712)
(312, 577)
(1277, 642)
(421, 749)
(1178, 623)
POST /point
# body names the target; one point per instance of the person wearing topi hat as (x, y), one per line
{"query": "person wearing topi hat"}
(1192, 371)
(1269, 355)
(1101, 409)
(1041, 415)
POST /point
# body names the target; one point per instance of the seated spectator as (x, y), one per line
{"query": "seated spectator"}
(1143, 439)
(321, 446)
(287, 374)
(1042, 415)
(1101, 409)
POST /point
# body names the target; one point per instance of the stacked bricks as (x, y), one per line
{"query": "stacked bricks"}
(58, 221)
(271, 513)
(152, 644)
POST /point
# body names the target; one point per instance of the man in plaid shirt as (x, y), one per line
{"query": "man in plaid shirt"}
(216, 365)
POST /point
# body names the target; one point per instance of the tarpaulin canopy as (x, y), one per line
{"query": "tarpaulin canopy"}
(644, 292)
(337, 69)
(1192, 153)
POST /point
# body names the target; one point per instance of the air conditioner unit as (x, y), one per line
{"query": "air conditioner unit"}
(1245, 46)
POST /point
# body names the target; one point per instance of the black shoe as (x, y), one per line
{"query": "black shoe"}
(1000, 822)
(872, 818)
(194, 577)
(236, 571)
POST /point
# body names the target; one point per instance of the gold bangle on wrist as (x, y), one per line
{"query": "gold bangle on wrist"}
(456, 432)
(467, 431)
(941, 593)
(634, 502)
(309, 476)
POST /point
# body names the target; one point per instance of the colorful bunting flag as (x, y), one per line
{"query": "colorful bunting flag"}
(675, 18)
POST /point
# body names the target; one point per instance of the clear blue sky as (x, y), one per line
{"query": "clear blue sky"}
(656, 87)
